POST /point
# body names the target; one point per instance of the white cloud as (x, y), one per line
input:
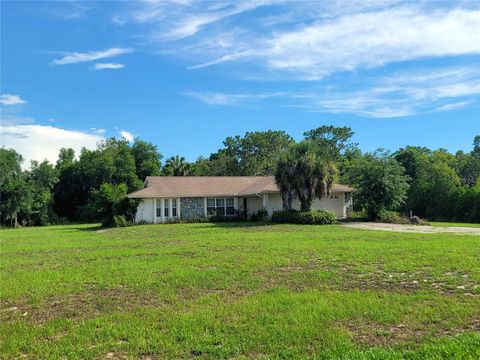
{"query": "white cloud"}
(364, 40)
(76, 57)
(216, 98)
(104, 66)
(402, 94)
(127, 135)
(40, 142)
(10, 99)
(454, 106)
(98, 130)
(178, 20)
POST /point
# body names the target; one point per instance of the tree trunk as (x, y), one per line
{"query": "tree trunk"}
(16, 220)
(287, 200)
(306, 204)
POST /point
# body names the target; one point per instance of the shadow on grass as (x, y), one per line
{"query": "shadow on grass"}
(80, 227)
(240, 224)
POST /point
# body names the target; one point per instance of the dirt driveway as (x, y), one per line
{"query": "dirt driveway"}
(411, 228)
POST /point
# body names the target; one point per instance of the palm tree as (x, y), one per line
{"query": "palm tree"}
(307, 171)
(177, 166)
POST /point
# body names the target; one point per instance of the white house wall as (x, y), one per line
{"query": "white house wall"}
(274, 203)
(254, 204)
(145, 211)
(335, 203)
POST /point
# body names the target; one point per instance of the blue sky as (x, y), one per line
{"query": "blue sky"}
(186, 74)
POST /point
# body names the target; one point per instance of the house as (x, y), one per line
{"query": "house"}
(165, 198)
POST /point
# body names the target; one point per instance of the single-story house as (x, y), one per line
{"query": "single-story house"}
(166, 198)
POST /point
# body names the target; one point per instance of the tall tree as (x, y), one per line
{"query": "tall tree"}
(476, 147)
(147, 159)
(306, 171)
(14, 190)
(335, 139)
(177, 166)
(254, 154)
(380, 183)
(42, 178)
(67, 189)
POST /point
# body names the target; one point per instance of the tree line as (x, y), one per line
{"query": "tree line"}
(433, 184)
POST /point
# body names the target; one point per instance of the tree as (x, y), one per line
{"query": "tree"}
(14, 191)
(111, 200)
(147, 159)
(254, 154)
(413, 159)
(67, 190)
(66, 158)
(476, 147)
(42, 178)
(380, 183)
(467, 167)
(177, 166)
(305, 170)
(335, 139)
(112, 162)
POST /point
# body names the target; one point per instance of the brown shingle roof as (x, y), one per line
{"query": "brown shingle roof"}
(200, 186)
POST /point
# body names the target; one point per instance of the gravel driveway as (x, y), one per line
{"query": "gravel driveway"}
(411, 228)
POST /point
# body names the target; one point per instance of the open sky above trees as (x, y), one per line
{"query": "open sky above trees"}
(185, 75)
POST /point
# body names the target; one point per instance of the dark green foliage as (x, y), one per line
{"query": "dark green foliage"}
(259, 215)
(380, 183)
(14, 192)
(147, 159)
(335, 139)
(110, 201)
(177, 166)
(311, 217)
(306, 170)
(42, 179)
(254, 154)
(223, 218)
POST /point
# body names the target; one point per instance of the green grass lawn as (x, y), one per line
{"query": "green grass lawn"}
(454, 224)
(238, 291)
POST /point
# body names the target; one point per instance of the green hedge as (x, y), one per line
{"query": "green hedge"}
(319, 217)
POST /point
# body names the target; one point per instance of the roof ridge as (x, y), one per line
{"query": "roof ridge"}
(210, 176)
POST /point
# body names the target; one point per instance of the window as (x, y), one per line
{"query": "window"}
(174, 207)
(165, 207)
(159, 207)
(230, 210)
(210, 206)
(220, 206)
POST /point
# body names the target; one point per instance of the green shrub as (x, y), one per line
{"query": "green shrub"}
(259, 215)
(318, 217)
(392, 217)
(358, 215)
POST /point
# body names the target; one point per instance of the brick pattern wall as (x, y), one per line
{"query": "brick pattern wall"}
(192, 208)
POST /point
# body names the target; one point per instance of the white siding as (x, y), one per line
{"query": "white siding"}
(274, 203)
(145, 211)
(253, 204)
(335, 203)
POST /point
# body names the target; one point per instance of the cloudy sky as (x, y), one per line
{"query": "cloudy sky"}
(185, 74)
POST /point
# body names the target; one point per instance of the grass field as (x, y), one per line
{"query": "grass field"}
(238, 291)
(454, 224)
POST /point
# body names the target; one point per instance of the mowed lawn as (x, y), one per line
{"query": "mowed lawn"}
(238, 291)
(453, 224)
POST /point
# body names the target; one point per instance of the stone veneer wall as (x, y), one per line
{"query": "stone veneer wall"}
(192, 208)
